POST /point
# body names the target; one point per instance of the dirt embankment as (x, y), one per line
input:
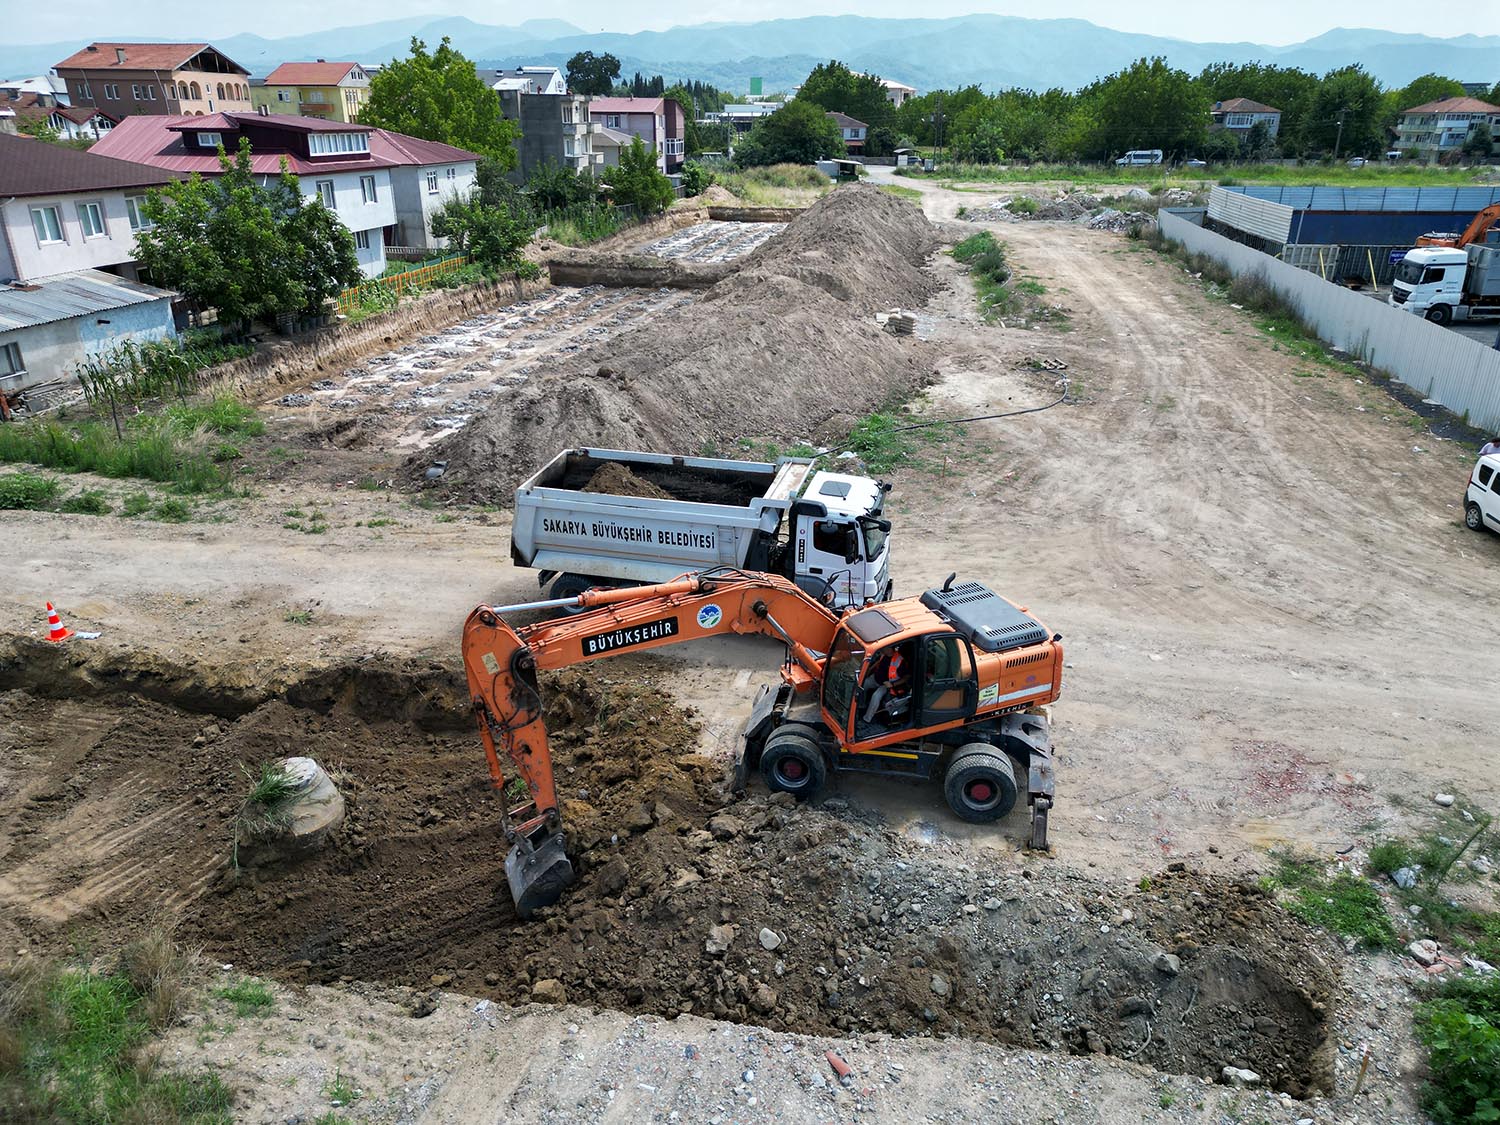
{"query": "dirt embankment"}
(761, 911)
(786, 348)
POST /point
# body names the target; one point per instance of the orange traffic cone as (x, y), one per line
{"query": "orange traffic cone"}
(55, 629)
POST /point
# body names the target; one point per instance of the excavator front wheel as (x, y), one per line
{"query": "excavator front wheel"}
(791, 763)
(980, 783)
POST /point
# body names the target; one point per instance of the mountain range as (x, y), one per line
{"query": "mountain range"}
(994, 51)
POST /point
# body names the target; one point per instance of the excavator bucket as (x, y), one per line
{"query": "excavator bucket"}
(538, 871)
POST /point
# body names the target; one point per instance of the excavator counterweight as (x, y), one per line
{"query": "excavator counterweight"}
(947, 684)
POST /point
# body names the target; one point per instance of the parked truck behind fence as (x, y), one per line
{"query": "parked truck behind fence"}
(610, 517)
(1445, 284)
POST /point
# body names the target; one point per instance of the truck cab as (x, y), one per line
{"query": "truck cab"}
(1429, 281)
(840, 541)
(1482, 496)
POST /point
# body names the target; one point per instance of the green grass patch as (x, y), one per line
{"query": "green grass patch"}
(299, 616)
(911, 194)
(884, 442)
(774, 185)
(88, 502)
(1023, 205)
(1460, 1027)
(249, 997)
(1156, 177)
(75, 1045)
(1340, 903)
(26, 491)
(380, 523)
(984, 254)
(136, 504)
(340, 1090)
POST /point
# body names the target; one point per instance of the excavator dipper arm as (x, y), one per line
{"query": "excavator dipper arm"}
(502, 663)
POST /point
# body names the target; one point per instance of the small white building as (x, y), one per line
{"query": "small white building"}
(527, 80)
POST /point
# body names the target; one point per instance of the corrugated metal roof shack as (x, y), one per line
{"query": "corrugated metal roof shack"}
(1343, 234)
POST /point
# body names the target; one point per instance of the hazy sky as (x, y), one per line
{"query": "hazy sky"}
(1261, 21)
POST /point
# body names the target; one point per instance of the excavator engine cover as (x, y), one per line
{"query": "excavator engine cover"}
(538, 872)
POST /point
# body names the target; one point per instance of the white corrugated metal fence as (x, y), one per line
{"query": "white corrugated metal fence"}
(1458, 372)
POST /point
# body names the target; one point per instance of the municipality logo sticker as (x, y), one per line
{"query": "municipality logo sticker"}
(709, 616)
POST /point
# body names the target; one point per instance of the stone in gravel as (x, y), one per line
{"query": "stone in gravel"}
(992, 904)
(1238, 1076)
(720, 938)
(1425, 951)
(1168, 963)
(295, 400)
(940, 986)
(1444, 799)
(549, 991)
(638, 819)
(726, 827)
(764, 1000)
(769, 939)
(1404, 877)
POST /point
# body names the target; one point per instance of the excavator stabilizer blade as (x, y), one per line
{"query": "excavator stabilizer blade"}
(538, 874)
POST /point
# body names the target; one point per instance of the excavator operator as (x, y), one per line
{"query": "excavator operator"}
(893, 679)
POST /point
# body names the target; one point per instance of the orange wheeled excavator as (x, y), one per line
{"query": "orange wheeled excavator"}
(947, 684)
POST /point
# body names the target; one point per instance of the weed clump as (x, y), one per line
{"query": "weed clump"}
(1460, 1027)
(26, 491)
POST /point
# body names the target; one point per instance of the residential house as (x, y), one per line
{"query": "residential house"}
(658, 122)
(526, 80)
(1240, 115)
(156, 78)
(383, 186)
(50, 88)
(70, 123)
(608, 143)
(67, 267)
(898, 93)
(1436, 129)
(852, 130)
(744, 116)
(62, 210)
(555, 129)
(331, 91)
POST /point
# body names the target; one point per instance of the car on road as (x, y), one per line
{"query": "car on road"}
(1195, 163)
(1482, 498)
(1357, 162)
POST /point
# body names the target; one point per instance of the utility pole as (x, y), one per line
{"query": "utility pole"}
(1339, 138)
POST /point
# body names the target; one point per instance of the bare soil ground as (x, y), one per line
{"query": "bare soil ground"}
(1266, 593)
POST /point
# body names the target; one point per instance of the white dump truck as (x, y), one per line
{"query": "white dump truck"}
(609, 517)
(1446, 284)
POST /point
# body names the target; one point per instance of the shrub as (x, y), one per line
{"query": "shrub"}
(1461, 1030)
(89, 502)
(1390, 855)
(26, 491)
(172, 511)
(695, 178)
(1023, 205)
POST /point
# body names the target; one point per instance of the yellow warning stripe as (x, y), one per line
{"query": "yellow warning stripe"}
(881, 753)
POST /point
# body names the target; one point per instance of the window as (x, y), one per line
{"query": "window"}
(196, 92)
(611, 120)
(91, 219)
(362, 239)
(367, 189)
(453, 173)
(210, 140)
(150, 93)
(333, 144)
(136, 92)
(111, 91)
(10, 360)
(325, 193)
(47, 223)
(83, 88)
(220, 88)
(283, 95)
(1432, 276)
(835, 538)
(1485, 472)
(134, 208)
(431, 181)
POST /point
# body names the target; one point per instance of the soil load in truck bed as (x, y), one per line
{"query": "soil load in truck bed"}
(780, 349)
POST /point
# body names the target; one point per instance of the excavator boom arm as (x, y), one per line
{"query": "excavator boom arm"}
(502, 663)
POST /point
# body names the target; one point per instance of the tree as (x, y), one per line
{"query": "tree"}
(1352, 96)
(592, 74)
(1419, 91)
(440, 97)
(833, 86)
(247, 249)
(695, 178)
(490, 236)
(553, 185)
(797, 133)
(37, 127)
(1148, 105)
(1221, 145)
(1258, 143)
(1287, 89)
(638, 182)
(1480, 142)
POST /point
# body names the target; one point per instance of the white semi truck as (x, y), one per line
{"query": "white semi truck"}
(1445, 284)
(581, 527)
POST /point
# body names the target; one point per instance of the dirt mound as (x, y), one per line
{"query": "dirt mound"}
(776, 349)
(617, 479)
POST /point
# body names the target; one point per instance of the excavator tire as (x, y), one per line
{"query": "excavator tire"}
(980, 784)
(570, 586)
(792, 763)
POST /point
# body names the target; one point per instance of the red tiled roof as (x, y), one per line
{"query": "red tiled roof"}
(29, 167)
(82, 114)
(309, 73)
(1243, 105)
(1454, 105)
(156, 139)
(139, 56)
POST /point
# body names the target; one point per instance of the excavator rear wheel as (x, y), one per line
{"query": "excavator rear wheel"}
(792, 763)
(980, 783)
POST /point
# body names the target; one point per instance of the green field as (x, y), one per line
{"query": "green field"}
(1330, 175)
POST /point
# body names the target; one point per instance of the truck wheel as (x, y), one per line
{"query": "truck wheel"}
(1473, 518)
(1440, 314)
(793, 764)
(980, 784)
(570, 586)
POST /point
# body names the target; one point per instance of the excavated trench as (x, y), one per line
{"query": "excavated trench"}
(121, 776)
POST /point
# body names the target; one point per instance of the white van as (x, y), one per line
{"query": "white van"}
(1482, 498)
(1141, 156)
